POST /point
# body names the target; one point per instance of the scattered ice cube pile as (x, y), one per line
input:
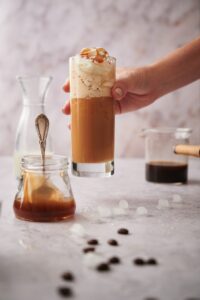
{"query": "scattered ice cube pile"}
(119, 210)
(165, 203)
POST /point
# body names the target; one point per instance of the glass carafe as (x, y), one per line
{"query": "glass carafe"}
(34, 91)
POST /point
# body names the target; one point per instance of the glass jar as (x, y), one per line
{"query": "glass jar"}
(44, 192)
(162, 164)
(34, 92)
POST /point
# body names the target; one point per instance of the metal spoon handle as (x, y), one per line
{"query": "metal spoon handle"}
(42, 127)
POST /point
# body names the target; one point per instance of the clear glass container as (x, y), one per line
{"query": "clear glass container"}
(93, 116)
(34, 91)
(44, 195)
(162, 164)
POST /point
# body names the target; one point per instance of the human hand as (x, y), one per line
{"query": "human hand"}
(66, 108)
(133, 89)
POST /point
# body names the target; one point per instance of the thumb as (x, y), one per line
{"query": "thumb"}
(121, 87)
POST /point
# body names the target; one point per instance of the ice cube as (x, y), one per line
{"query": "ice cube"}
(92, 259)
(24, 244)
(163, 203)
(104, 211)
(141, 211)
(123, 204)
(176, 198)
(117, 211)
(78, 230)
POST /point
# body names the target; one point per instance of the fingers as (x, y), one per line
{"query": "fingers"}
(134, 102)
(135, 81)
(122, 85)
(66, 109)
(117, 107)
(119, 90)
(66, 86)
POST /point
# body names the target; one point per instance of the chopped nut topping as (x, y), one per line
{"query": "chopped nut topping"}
(97, 55)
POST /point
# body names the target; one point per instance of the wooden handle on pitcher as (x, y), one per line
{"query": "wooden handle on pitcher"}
(193, 150)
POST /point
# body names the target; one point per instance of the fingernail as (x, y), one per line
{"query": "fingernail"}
(64, 88)
(119, 92)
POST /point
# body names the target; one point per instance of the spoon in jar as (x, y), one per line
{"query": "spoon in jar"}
(44, 188)
(42, 127)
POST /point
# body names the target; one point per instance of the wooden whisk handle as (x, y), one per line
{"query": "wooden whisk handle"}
(193, 150)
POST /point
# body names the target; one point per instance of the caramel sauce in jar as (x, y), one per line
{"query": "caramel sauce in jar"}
(44, 196)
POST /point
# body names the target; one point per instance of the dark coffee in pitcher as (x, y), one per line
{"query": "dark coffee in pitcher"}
(166, 171)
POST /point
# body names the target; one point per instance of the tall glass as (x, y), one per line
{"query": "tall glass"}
(93, 119)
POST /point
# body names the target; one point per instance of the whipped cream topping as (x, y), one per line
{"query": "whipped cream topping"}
(92, 73)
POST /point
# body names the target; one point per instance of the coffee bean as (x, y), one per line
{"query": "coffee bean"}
(103, 267)
(152, 262)
(123, 231)
(114, 260)
(68, 276)
(88, 249)
(93, 242)
(139, 261)
(65, 292)
(113, 242)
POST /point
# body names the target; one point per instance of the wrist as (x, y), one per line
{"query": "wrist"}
(157, 80)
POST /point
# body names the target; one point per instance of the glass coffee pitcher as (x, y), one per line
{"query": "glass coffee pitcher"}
(162, 164)
(34, 91)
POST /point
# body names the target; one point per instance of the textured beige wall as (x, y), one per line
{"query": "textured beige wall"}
(37, 37)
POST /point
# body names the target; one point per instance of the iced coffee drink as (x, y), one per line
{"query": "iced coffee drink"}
(92, 75)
